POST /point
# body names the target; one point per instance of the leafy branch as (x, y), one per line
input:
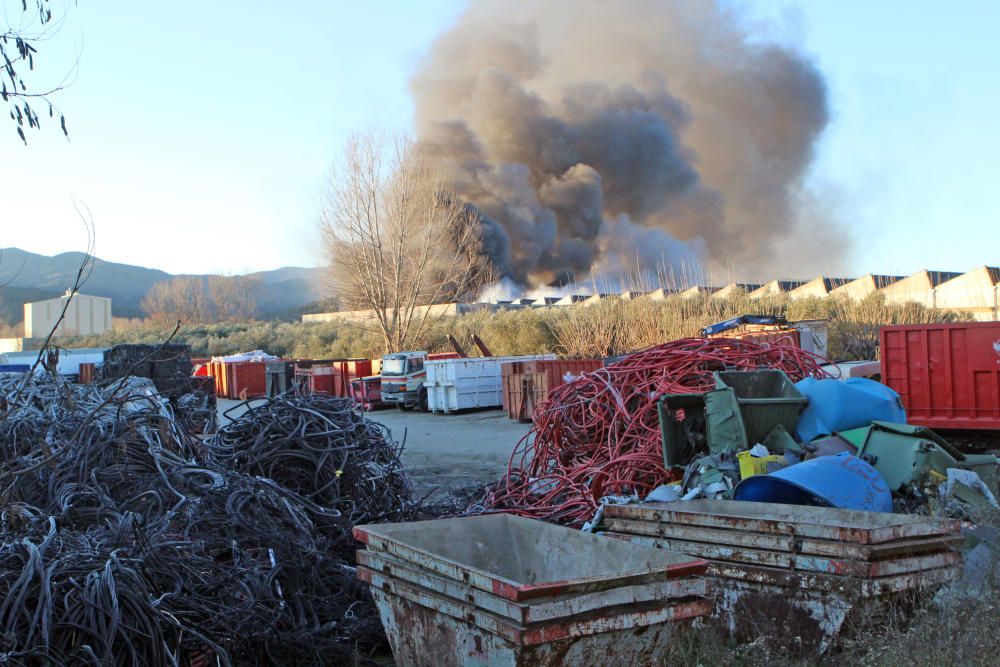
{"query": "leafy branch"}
(18, 52)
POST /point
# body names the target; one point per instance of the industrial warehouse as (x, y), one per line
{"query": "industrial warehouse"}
(457, 333)
(975, 294)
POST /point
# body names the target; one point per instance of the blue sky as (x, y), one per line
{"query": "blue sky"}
(201, 133)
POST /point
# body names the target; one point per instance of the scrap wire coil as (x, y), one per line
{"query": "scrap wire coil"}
(599, 435)
(126, 541)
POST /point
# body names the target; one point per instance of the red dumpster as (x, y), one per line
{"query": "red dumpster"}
(217, 369)
(345, 370)
(246, 379)
(948, 375)
(321, 379)
(527, 383)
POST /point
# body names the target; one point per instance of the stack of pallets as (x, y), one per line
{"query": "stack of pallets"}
(831, 564)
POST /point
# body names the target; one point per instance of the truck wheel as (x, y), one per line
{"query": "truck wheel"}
(422, 401)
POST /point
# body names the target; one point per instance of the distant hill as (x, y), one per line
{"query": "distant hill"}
(27, 276)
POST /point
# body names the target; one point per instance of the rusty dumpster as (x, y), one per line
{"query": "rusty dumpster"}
(504, 590)
(818, 567)
(525, 384)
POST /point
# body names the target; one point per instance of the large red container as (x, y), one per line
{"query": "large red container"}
(86, 374)
(321, 379)
(525, 384)
(201, 367)
(217, 369)
(346, 370)
(246, 379)
(948, 375)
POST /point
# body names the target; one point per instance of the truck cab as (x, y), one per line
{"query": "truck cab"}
(403, 376)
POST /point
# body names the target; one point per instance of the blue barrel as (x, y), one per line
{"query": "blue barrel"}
(842, 480)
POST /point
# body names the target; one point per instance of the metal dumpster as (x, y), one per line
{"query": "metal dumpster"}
(813, 567)
(504, 590)
(948, 375)
(279, 377)
(766, 398)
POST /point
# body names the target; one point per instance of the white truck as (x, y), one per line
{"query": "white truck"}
(403, 376)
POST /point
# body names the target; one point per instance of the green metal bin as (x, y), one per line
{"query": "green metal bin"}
(767, 398)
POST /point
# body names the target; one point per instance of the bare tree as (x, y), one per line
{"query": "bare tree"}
(234, 298)
(182, 299)
(398, 239)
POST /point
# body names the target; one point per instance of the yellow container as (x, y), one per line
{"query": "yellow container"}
(751, 465)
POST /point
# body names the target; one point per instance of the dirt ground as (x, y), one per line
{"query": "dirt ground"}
(446, 451)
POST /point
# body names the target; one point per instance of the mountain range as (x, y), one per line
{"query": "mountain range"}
(27, 276)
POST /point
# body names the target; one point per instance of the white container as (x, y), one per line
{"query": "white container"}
(464, 384)
(69, 359)
(813, 335)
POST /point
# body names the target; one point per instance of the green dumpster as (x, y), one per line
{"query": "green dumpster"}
(766, 398)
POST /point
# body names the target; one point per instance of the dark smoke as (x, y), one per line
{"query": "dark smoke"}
(615, 134)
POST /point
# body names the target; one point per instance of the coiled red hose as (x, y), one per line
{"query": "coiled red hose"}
(600, 434)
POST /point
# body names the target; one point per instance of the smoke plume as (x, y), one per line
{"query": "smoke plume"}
(606, 135)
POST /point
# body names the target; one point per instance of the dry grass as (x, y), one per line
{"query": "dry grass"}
(607, 328)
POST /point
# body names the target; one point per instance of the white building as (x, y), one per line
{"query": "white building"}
(85, 315)
(918, 288)
(866, 285)
(819, 287)
(975, 294)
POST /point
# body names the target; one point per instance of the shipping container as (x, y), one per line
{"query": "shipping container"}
(201, 366)
(948, 375)
(467, 383)
(525, 384)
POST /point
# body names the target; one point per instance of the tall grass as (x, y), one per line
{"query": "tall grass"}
(606, 327)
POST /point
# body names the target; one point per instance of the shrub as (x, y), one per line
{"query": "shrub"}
(606, 328)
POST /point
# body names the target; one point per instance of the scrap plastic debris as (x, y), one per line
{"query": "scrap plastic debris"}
(969, 479)
(600, 435)
(839, 405)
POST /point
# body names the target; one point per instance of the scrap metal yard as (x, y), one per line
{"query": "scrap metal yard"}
(713, 485)
(554, 333)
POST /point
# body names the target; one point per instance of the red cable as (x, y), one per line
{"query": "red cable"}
(600, 434)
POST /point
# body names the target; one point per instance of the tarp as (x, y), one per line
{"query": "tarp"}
(836, 405)
(256, 355)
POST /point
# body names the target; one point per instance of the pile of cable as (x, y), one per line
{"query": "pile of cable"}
(126, 541)
(310, 444)
(599, 435)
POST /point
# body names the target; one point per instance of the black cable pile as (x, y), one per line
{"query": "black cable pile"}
(170, 370)
(125, 541)
(311, 445)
